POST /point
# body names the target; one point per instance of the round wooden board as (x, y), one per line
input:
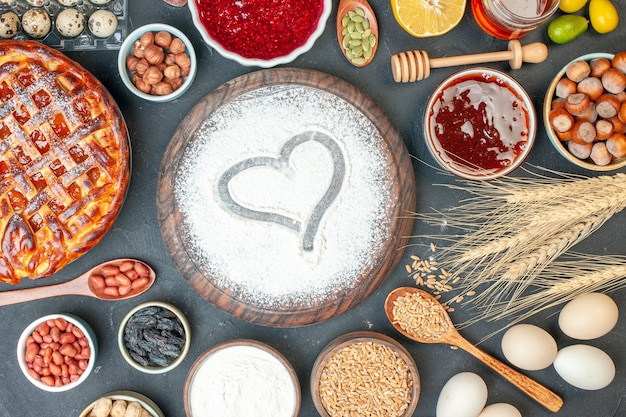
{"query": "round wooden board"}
(400, 182)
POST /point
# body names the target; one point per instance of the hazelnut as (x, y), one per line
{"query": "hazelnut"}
(598, 66)
(131, 62)
(154, 54)
(579, 150)
(163, 39)
(177, 46)
(137, 50)
(142, 66)
(152, 76)
(618, 125)
(592, 86)
(172, 71)
(619, 61)
(162, 88)
(561, 120)
(184, 72)
(600, 154)
(607, 106)
(613, 80)
(622, 111)
(577, 103)
(182, 60)
(142, 86)
(616, 144)
(176, 83)
(146, 39)
(604, 129)
(578, 70)
(565, 87)
(170, 59)
(583, 132)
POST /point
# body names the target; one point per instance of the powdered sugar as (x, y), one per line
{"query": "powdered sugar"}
(263, 262)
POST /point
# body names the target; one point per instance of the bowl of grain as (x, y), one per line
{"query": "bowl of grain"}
(348, 367)
(242, 377)
(584, 111)
(122, 403)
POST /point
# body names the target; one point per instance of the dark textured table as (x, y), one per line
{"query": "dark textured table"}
(136, 232)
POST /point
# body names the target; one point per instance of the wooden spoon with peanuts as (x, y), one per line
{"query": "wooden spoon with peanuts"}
(91, 285)
(428, 322)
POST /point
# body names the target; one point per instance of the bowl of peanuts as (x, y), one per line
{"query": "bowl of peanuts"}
(57, 352)
(348, 366)
(584, 111)
(122, 404)
(157, 62)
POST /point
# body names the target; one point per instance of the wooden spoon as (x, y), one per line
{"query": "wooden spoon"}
(77, 286)
(346, 6)
(450, 336)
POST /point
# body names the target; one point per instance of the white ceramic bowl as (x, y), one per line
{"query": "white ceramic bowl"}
(263, 63)
(154, 369)
(499, 90)
(76, 321)
(129, 396)
(560, 146)
(228, 374)
(126, 49)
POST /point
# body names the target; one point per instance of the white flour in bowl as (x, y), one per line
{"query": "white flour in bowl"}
(296, 228)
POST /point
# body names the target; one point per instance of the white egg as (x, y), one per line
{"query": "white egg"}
(68, 2)
(500, 410)
(70, 23)
(37, 3)
(102, 23)
(588, 316)
(585, 367)
(36, 23)
(529, 347)
(464, 395)
(99, 2)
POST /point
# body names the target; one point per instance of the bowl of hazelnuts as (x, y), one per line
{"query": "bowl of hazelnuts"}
(157, 62)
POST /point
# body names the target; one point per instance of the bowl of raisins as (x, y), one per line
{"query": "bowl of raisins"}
(154, 337)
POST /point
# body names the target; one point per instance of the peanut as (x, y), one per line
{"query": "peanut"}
(61, 352)
(113, 281)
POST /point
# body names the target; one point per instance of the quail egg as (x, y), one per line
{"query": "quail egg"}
(70, 23)
(9, 25)
(69, 3)
(102, 23)
(100, 2)
(37, 3)
(36, 23)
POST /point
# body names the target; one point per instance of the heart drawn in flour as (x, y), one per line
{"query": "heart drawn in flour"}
(281, 164)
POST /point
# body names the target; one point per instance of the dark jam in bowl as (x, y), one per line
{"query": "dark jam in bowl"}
(478, 124)
(260, 29)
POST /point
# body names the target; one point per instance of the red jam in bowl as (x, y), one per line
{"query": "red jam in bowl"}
(260, 29)
(478, 124)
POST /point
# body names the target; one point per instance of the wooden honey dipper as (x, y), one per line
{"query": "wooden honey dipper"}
(415, 65)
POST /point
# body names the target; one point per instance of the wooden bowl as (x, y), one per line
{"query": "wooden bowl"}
(366, 343)
(562, 146)
(242, 374)
(227, 252)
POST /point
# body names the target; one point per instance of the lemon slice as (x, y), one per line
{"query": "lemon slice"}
(425, 18)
